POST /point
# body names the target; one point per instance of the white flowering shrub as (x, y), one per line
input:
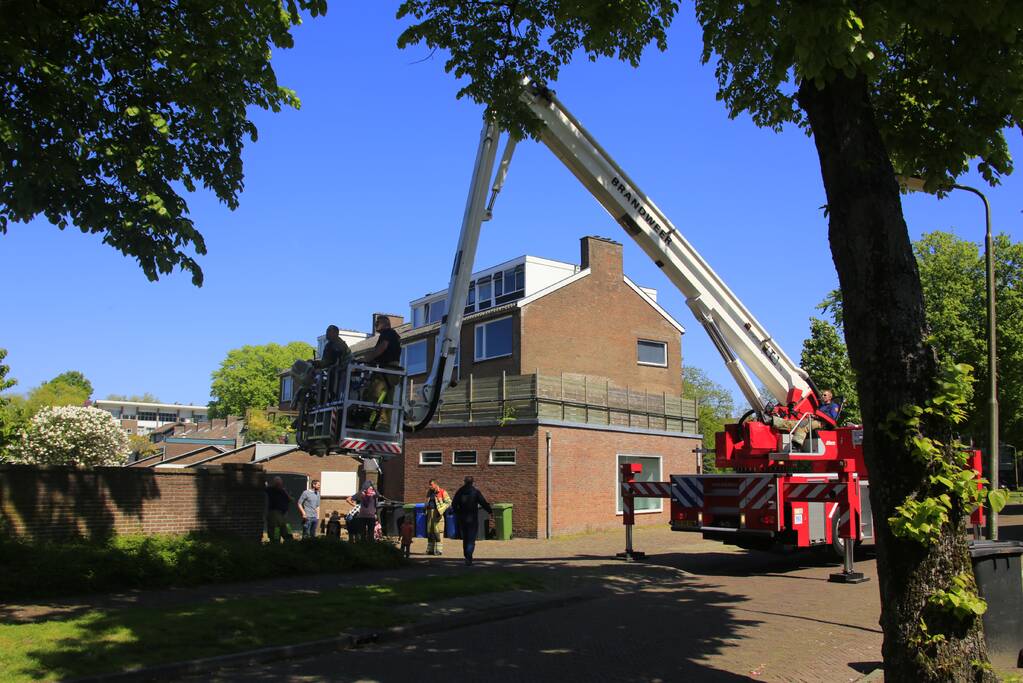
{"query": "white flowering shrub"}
(73, 435)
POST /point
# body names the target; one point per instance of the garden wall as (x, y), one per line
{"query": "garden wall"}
(52, 503)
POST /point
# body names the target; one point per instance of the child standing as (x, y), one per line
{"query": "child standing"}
(408, 529)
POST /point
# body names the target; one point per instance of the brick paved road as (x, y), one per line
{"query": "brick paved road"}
(695, 610)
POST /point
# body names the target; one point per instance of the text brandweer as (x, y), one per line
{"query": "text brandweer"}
(643, 213)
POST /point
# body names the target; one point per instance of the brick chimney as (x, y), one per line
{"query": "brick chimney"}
(602, 255)
(395, 320)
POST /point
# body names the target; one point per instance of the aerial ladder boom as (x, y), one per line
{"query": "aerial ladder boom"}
(737, 335)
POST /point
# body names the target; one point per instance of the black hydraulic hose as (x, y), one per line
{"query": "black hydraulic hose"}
(434, 400)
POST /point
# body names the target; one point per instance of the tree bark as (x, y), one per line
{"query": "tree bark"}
(886, 334)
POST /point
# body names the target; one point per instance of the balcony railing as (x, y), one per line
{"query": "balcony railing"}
(567, 398)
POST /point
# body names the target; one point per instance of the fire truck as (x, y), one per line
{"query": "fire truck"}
(796, 478)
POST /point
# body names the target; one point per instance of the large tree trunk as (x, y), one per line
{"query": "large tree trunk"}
(886, 334)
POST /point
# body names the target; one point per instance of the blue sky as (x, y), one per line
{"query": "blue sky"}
(374, 169)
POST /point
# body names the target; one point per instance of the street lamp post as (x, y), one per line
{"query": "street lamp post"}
(917, 185)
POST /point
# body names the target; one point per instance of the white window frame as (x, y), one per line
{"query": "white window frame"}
(287, 389)
(662, 344)
(431, 464)
(404, 357)
(502, 450)
(659, 477)
(475, 459)
(477, 356)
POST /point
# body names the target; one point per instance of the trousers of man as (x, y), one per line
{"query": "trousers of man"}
(468, 527)
(380, 392)
(309, 527)
(434, 532)
(276, 526)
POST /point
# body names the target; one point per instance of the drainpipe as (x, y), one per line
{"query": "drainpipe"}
(548, 484)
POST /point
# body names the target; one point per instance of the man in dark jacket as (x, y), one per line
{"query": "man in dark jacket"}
(466, 504)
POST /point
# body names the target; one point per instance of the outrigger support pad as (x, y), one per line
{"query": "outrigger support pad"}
(848, 575)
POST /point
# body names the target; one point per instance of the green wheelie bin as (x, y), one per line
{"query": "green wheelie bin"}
(503, 521)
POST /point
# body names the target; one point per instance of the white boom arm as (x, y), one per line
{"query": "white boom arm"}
(738, 336)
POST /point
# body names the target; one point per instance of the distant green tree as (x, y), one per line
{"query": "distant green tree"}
(826, 360)
(714, 406)
(109, 109)
(140, 446)
(134, 398)
(75, 379)
(11, 419)
(259, 428)
(52, 394)
(953, 276)
(247, 377)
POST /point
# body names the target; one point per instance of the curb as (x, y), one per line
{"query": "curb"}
(345, 641)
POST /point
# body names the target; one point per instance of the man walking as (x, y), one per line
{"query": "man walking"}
(309, 507)
(466, 504)
(277, 502)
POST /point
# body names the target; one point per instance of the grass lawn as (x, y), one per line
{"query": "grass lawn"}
(108, 641)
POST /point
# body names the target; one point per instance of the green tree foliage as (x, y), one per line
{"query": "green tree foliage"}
(10, 417)
(141, 447)
(882, 85)
(826, 360)
(714, 406)
(75, 379)
(247, 378)
(134, 398)
(108, 108)
(259, 428)
(53, 393)
(954, 280)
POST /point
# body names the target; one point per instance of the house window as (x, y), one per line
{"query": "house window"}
(463, 458)
(652, 353)
(493, 339)
(435, 310)
(470, 298)
(143, 415)
(168, 417)
(431, 458)
(502, 457)
(484, 292)
(413, 357)
(418, 316)
(287, 387)
(651, 472)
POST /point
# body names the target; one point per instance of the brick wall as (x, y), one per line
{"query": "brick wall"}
(515, 484)
(584, 475)
(66, 502)
(592, 327)
(300, 462)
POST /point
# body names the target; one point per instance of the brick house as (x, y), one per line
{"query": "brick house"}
(565, 372)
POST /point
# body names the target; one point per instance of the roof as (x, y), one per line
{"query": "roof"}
(141, 404)
(423, 330)
(173, 459)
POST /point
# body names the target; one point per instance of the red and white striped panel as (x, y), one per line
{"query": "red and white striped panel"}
(816, 492)
(647, 489)
(757, 493)
(381, 447)
(372, 446)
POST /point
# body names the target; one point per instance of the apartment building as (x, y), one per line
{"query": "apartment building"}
(142, 418)
(566, 371)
